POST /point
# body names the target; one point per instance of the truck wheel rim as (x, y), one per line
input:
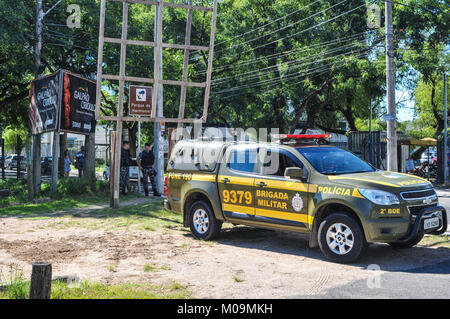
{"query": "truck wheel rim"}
(340, 238)
(201, 221)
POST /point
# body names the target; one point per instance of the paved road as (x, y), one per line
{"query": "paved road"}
(428, 282)
(404, 280)
(444, 200)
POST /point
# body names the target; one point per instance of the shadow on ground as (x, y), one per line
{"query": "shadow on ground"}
(425, 259)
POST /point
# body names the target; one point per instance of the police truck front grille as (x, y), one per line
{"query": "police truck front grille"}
(414, 210)
(418, 194)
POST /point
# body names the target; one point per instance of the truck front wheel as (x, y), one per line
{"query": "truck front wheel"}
(202, 221)
(341, 238)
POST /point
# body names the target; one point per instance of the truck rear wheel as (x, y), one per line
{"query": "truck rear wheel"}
(407, 244)
(341, 238)
(202, 221)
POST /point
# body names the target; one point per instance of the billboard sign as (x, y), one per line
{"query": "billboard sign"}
(140, 100)
(63, 102)
(45, 99)
(78, 104)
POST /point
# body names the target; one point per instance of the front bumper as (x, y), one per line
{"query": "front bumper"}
(403, 228)
(418, 229)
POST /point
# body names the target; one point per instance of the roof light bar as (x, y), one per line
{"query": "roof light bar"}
(300, 136)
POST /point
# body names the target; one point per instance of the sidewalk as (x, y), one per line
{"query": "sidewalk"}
(444, 200)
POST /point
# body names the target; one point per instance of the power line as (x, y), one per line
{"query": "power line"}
(297, 33)
(280, 78)
(308, 29)
(283, 28)
(297, 50)
(413, 6)
(291, 63)
(265, 25)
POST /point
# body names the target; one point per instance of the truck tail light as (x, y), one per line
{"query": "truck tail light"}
(166, 184)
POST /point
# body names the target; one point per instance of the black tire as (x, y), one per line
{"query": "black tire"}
(212, 227)
(357, 235)
(408, 244)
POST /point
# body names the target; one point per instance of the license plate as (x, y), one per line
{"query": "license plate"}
(431, 223)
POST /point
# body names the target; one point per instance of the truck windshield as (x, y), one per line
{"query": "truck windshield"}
(334, 161)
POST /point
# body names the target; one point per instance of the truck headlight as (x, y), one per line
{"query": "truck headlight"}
(379, 197)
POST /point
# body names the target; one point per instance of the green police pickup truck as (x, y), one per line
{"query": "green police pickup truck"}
(300, 184)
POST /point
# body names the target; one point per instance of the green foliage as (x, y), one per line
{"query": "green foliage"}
(429, 108)
(17, 287)
(73, 186)
(277, 63)
(15, 137)
(18, 189)
(80, 186)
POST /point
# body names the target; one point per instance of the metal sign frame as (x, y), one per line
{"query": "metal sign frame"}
(156, 81)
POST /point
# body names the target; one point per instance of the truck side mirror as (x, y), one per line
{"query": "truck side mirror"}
(294, 173)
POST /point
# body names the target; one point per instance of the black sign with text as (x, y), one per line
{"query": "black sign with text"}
(45, 98)
(78, 104)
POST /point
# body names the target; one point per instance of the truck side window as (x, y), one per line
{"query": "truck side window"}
(243, 160)
(277, 161)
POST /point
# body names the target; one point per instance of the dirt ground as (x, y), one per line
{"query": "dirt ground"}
(243, 263)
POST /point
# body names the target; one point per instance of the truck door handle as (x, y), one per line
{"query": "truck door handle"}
(262, 184)
(225, 180)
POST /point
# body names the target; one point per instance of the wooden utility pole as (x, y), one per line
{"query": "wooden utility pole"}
(445, 130)
(34, 177)
(55, 162)
(158, 144)
(392, 164)
(89, 145)
(112, 165)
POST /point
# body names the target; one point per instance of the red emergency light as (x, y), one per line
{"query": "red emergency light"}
(300, 136)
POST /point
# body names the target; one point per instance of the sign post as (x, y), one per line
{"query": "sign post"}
(61, 102)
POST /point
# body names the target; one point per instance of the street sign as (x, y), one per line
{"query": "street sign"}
(140, 100)
(388, 117)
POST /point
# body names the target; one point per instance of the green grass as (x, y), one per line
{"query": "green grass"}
(92, 290)
(153, 268)
(148, 217)
(17, 287)
(237, 279)
(52, 206)
(112, 268)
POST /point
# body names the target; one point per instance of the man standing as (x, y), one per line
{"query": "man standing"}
(146, 163)
(125, 162)
(79, 162)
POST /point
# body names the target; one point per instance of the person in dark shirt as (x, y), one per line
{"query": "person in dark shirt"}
(79, 162)
(146, 163)
(125, 162)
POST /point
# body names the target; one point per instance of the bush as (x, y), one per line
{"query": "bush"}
(73, 186)
(18, 191)
(80, 186)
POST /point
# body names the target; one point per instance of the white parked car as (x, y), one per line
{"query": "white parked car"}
(11, 162)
